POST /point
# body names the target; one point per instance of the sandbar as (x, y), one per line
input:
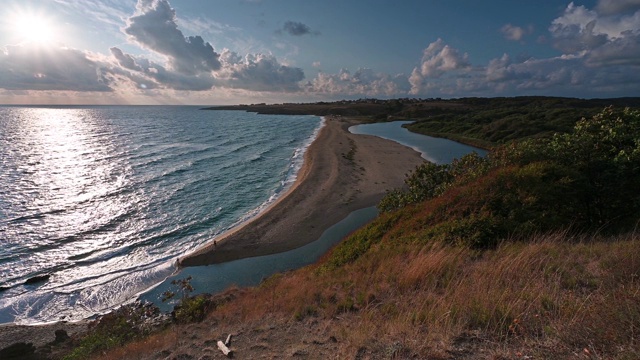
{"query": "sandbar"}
(341, 173)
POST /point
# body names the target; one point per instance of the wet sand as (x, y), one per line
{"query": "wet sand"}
(342, 172)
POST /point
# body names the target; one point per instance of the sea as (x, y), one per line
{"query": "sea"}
(97, 202)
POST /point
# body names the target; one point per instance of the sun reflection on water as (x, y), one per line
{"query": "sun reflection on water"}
(100, 200)
(69, 187)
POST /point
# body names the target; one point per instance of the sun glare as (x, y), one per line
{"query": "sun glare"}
(32, 27)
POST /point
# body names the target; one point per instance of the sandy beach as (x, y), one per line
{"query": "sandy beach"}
(342, 172)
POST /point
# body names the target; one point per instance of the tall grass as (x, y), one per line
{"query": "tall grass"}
(553, 295)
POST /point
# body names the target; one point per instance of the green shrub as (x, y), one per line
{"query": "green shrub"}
(192, 309)
(587, 179)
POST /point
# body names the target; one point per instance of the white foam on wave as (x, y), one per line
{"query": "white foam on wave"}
(295, 164)
(92, 284)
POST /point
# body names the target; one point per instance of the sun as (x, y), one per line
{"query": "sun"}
(32, 27)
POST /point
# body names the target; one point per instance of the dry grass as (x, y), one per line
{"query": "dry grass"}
(140, 349)
(553, 296)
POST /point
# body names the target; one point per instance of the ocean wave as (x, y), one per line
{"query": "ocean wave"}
(105, 213)
(295, 164)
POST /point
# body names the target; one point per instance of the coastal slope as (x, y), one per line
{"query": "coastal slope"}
(342, 172)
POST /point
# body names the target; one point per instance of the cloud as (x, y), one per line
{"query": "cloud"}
(192, 64)
(564, 75)
(612, 7)
(580, 28)
(125, 60)
(599, 56)
(295, 28)
(25, 67)
(582, 74)
(612, 39)
(362, 82)
(437, 59)
(576, 30)
(515, 33)
(99, 12)
(573, 38)
(257, 72)
(623, 51)
(154, 75)
(154, 27)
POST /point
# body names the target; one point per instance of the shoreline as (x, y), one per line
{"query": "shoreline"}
(341, 173)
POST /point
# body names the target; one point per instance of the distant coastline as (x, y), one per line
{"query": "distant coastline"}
(479, 122)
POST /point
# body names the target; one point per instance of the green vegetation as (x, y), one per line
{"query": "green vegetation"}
(501, 120)
(127, 324)
(136, 322)
(190, 308)
(586, 180)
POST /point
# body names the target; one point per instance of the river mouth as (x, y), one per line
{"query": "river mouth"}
(251, 271)
(435, 150)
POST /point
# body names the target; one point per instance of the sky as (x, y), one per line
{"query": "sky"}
(252, 51)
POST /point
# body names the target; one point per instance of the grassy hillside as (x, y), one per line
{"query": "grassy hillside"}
(531, 252)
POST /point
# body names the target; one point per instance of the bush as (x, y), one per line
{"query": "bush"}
(124, 325)
(585, 180)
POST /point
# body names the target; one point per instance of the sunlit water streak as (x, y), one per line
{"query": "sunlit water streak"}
(103, 199)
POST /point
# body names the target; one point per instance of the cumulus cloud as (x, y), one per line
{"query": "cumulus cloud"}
(600, 56)
(192, 64)
(609, 36)
(362, 82)
(611, 7)
(154, 27)
(515, 33)
(580, 28)
(585, 73)
(25, 67)
(152, 75)
(536, 74)
(576, 30)
(257, 72)
(437, 59)
(125, 60)
(295, 28)
(623, 51)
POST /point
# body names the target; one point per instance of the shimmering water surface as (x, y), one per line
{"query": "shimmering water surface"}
(97, 202)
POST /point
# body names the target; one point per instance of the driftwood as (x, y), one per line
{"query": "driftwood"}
(223, 346)
(225, 350)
